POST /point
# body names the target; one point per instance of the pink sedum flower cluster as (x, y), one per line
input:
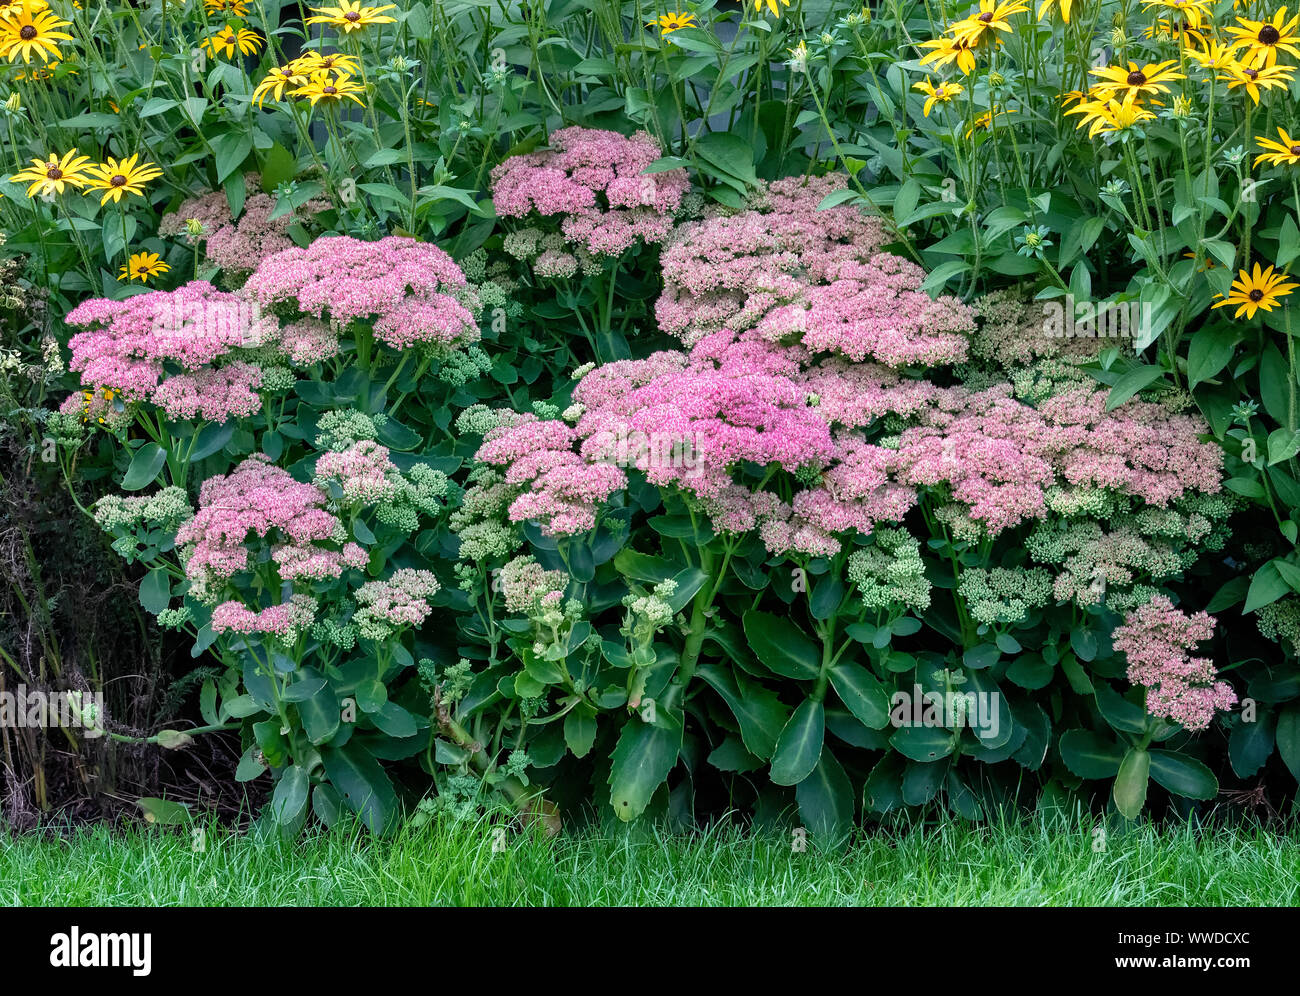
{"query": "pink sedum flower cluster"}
(128, 345)
(877, 314)
(798, 326)
(998, 456)
(413, 292)
(383, 607)
(363, 472)
(594, 183)
(214, 394)
(197, 352)
(285, 621)
(240, 247)
(262, 500)
(308, 341)
(793, 273)
(554, 485)
(687, 428)
(1140, 449)
(1157, 639)
(237, 246)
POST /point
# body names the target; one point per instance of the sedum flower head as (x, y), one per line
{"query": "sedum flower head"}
(165, 509)
(648, 614)
(1157, 640)
(1004, 596)
(528, 588)
(386, 607)
(340, 430)
(1280, 621)
(890, 573)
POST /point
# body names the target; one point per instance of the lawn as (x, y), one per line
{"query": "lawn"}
(1030, 864)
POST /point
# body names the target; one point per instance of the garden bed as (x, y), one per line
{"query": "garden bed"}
(820, 413)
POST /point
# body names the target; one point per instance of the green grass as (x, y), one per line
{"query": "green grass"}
(1032, 864)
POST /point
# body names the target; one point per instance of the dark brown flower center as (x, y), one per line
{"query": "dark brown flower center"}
(352, 15)
(985, 17)
(1295, 150)
(117, 180)
(27, 32)
(53, 172)
(1268, 35)
(143, 270)
(329, 90)
(1136, 78)
(1251, 73)
(1256, 295)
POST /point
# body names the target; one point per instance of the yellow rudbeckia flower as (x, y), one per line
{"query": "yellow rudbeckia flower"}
(1262, 40)
(29, 33)
(1254, 80)
(1283, 153)
(671, 22)
(1259, 290)
(118, 179)
(227, 41)
(51, 175)
(351, 16)
(141, 266)
(946, 50)
(941, 94)
(330, 89)
(1120, 83)
(990, 19)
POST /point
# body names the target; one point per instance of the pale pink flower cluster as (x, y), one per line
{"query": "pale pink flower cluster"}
(237, 246)
(286, 620)
(211, 210)
(261, 499)
(797, 274)
(402, 600)
(554, 484)
(800, 330)
(1140, 449)
(698, 422)
(740, 400)
(855, 491)
(308, 341)
(991, 454)
(1157, 640)
(525, 584)
(317, 563)
(415, 294)
(240, 247)
(594, 183)
(857, 394)
(877, 314)
(127, 345)
(363, 471)
(412, 291)
(689, 423)
(998, 456)
(215, 393)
